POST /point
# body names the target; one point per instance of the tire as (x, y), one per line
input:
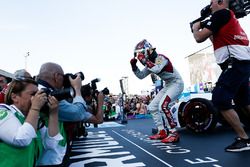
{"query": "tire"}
(180, 114)
(199, 115)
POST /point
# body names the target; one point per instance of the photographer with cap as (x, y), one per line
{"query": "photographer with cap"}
(21, 141)
(161, 66)
(51, 76)
(232, 54)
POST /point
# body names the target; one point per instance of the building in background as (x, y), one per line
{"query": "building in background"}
(204, 71)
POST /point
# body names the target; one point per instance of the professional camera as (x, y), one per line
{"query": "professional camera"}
(66, 82)
(61, 94)
(241, 8)
(90, 89)
(105, 91)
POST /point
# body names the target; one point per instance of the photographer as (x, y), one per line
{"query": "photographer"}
(51, 76)
(93, 104)
(96, 111)
(232, 54)
(20, 140)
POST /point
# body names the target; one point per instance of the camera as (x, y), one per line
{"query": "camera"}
(241, 8)
(105, 91)
(66, 82)
(91, 89)
(61, 94)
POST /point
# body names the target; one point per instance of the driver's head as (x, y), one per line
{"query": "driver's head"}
(143, 47)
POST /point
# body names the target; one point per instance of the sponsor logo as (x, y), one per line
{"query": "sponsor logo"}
(3, 114)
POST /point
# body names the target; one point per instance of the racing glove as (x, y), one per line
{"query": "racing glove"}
(145, 61)
(142, 59)
(133, 62)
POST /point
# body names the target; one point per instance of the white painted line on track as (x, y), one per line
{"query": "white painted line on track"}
(143, 149)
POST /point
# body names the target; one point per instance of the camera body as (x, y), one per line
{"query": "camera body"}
(61, 94)
(241, 8)
(90, 89)
(66, 82)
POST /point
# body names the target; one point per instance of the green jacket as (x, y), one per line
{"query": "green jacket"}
(11, 156)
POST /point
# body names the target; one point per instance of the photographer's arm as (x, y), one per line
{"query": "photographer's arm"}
(200, 35)
(76, 84)
(37, 101)
(51, 136)
(53, 128)
(98, 118)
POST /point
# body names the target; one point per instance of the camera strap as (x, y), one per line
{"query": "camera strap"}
(45, 84)
(230, 59)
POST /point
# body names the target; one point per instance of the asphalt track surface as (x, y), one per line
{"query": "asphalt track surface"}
(115, 145)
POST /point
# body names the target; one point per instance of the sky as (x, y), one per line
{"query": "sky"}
(98, 37)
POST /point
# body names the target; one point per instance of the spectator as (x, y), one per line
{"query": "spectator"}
(3, 86)
(3, 82)
(140, 107)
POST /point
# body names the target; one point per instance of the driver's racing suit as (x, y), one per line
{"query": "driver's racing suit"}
(173, 87)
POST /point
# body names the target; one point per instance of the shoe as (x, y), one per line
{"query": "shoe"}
(239, 145)
(173, 137)
(161, 135)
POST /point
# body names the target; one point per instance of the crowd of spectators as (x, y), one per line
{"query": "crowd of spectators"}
(132, 106)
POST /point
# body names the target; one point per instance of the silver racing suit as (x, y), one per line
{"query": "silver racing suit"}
(173, 87)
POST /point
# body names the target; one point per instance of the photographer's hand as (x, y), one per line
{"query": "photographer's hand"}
(76, 84)
(201, 34)
(37, 101)
(196, 26)
(99, 114)
(53, 104)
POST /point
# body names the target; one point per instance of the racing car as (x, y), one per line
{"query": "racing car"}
(199, 115)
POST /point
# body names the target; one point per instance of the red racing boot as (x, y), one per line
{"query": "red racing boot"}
(173, 137)
(161, 135)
